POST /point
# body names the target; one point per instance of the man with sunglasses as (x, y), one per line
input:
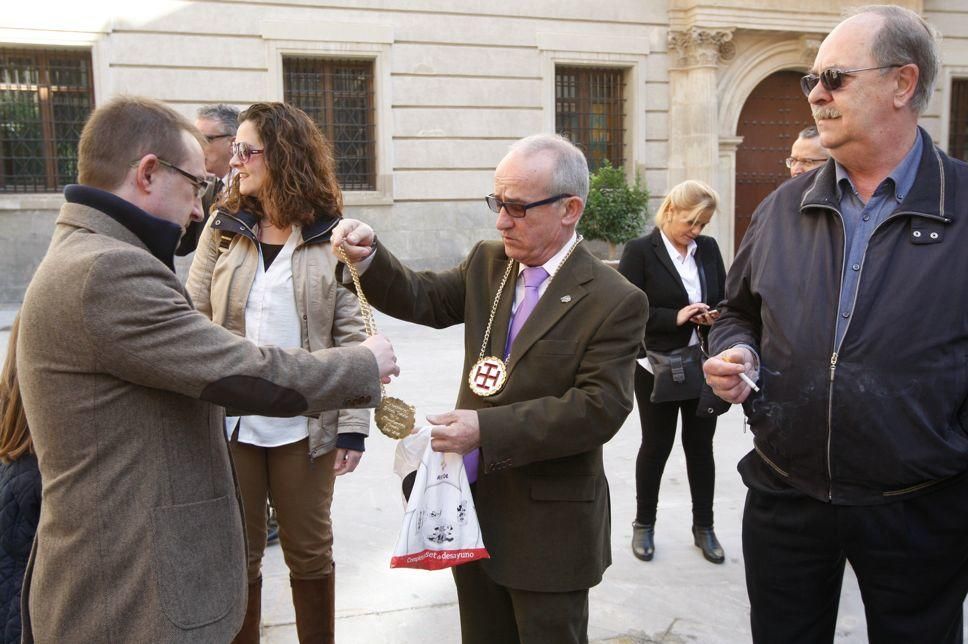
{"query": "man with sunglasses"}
(218, 125)
(564, 330)
(806, 154)
(847, 293)
(123, 382)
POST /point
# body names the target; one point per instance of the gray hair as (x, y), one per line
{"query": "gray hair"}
(226, 115)
(570, 175)
(906, 38)
(808, 132)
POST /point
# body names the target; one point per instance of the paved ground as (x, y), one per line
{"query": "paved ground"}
(676, 598)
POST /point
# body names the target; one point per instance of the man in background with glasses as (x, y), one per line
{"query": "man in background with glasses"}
(806, 152)
(140, 536)
(218, 125)
(848, 293)
(565, 330)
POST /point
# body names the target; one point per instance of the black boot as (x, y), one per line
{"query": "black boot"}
(643, 540)
(706, 541)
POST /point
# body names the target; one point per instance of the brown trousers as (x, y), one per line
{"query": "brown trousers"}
(302, 493)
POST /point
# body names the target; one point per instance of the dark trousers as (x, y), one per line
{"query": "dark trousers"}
(491, 613)
(658, 422)
(910, 558)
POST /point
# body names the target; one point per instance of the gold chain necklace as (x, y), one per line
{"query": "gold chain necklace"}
(488, 375)
(394, 417)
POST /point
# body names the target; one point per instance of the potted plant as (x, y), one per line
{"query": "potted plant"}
(615, 211)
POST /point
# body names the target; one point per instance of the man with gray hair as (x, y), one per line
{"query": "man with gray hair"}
(846, 301)
(218, 125)
(550, 339)
(806, 153)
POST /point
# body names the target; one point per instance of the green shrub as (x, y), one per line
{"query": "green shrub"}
(616, 211)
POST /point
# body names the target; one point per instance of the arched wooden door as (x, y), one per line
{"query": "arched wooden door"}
(771, 118)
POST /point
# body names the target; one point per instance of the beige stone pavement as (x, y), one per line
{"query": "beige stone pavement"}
(676, 598)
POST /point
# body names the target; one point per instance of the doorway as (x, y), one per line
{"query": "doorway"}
(774, 113)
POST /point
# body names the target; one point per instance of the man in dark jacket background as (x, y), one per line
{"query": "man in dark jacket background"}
(846, 300)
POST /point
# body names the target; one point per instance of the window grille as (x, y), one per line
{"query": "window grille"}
(590, 112)
(958, 137)
(338, 96)
(45, 98)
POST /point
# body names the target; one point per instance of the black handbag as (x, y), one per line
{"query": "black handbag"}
(677, 374)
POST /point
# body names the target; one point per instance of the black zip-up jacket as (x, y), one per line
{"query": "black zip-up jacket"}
(884, 414)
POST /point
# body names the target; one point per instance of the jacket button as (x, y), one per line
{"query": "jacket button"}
(933, 235)
(304, 316)
(916, 233)
(710, 410)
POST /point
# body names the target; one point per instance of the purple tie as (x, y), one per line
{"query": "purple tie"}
(533, 278)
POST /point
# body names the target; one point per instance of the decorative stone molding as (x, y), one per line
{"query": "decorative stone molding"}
(809, 45)
(702, 47)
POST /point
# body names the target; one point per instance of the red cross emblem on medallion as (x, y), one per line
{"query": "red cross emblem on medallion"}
(487, 376)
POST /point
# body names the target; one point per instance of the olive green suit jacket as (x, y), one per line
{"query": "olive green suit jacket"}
(542, 498)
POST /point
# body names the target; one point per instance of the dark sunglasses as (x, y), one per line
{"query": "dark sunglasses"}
(244, 151)
(832, 78)
(201, 185)
(519, 210)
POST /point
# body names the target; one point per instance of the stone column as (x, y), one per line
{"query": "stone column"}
(693, 103)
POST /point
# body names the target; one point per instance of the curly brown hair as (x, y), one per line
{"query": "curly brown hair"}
(301, 177)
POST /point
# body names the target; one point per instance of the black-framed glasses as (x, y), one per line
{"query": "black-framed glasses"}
(200, 184)
(245, 151)
(519, 210)
(792, 161)
(215, 137)
(832, 78)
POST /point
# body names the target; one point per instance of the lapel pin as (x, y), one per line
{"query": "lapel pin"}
(566, 299)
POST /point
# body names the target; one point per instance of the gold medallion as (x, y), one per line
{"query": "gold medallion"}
(395, 418)
(487, 376)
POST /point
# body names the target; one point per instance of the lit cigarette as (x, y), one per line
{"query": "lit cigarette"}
(744, 377)
(749, 381)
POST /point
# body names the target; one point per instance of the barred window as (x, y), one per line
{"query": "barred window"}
(590, 112)
(45, 98)
(338, 96)
(958, 138)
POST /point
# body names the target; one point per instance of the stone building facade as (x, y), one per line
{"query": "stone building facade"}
(454, 82)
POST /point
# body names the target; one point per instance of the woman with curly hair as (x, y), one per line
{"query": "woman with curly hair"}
(263, 269)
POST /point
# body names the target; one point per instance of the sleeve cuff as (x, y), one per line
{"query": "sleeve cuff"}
(352, 441)
(755, 376)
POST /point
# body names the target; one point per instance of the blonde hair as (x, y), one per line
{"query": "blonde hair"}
(14, 434)
(691, 199)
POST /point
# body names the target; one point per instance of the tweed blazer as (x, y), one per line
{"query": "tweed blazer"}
(542, 497)
(140, 536)
(646, 263)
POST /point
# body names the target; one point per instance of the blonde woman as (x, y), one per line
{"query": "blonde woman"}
(682, 273)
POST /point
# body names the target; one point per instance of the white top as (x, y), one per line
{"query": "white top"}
(551, 267)
(688, 271)
(271, 318)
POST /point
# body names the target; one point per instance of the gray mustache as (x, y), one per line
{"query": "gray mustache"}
(825, 113)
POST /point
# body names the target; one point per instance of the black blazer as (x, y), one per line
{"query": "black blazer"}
(646, 263)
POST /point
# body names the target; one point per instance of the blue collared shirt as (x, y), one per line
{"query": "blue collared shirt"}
(860, 222)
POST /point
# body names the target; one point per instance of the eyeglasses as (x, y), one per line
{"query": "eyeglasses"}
(201, 185)
(215, 137)
(792, 161)
(832, 78)
(244, 151)
(519, 210)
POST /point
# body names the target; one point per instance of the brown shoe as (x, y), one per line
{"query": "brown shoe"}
(253, 614)
(315, 603)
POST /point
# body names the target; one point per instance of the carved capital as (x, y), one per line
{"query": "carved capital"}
(696, 46)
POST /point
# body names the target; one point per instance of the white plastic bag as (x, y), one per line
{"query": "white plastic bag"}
(440, 527)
